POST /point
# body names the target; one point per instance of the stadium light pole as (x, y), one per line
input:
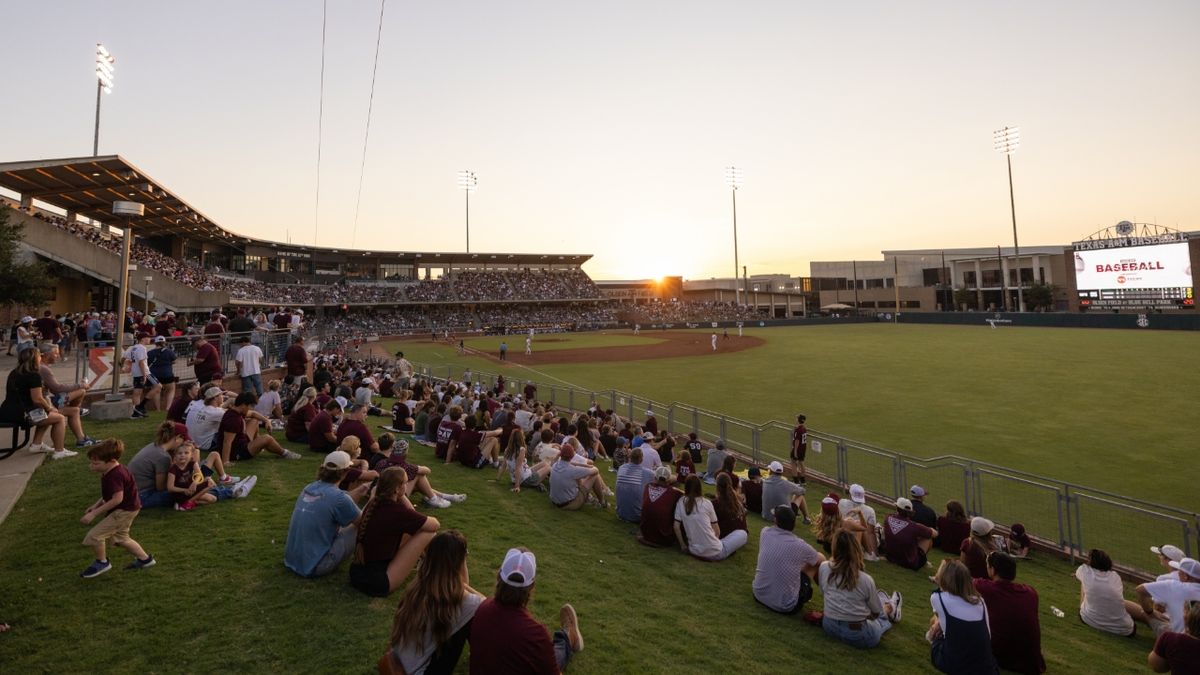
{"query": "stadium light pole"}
(733, 178)
(104, 84)
(467, 181)
(1007, 140)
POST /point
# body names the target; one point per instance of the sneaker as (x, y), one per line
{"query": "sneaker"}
(570, 626)
(142, 564)
(897, 603)
(454, 498)
(63, 454)
(814, 617)
(229, 480)
(84, 412)
(807, 520)
(185, 506)
(86, 442)
(244, 487)
(437, 502)
(870, 557)
(96, 569)
(288, 454)
(137, 414)
(41, 447)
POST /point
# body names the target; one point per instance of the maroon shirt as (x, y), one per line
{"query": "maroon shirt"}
(208, 363)
(214, 327)
(509, 640)
(321, 424)
(282, 320)
(658, 514)
(726, 522)
(382, 532)
(232, 422)
(297, 360)
(176, 412)
(651, 425)
(164, 327)
(951, 534)
(298, 422)
(118, 479)
(1016, 635)
(901, 536)
(182, 478)
(448, 430)
(1182, 652)
(974, 557)
(467, 451)
(48, 327)
(350, 427)
(530, 392)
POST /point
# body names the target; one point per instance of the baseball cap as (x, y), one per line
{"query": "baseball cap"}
(662, 473)
(904, 504)
(338, 459)
(182, 432)
(917, 491)
(342, 401)
(1169, 551)
(1189, 566)
(519, 568)
(775, 467)
(981, 526)
(368, 380)
(829, 505)
(649, 412)
(857, 494)
(159, 339)
(211, 393)
(28, 319)
(648, 436)
(401, 447)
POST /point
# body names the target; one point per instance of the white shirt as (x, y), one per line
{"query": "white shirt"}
(1175, 594)
(203, 422)
(845, 506)
(959, 609)
(249, 358)
(650, 458)
(698, 525)
(1103, 601)
(523, 419)
(138, 355)
(267, 403)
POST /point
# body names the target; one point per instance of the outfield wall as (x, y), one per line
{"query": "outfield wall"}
(1058, 320)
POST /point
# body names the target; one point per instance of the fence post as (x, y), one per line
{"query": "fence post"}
(754, 444)
(629, 408)
(722, 427)
(843, 466)
(571, 398)
(1078, 528)
(671, 419)
(612, 401)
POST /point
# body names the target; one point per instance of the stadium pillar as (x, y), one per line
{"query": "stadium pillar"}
(126, 209)
(978, 285)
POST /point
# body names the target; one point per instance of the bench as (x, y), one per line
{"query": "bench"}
(20, 438)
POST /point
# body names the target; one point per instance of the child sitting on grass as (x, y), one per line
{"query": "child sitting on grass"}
(191, 482)
(118, 503)
(359, 472)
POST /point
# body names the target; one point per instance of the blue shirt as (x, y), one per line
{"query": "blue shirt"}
(631, 482)
(321, 509)
(161, 361)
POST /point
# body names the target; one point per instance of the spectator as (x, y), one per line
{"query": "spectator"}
(716, 459)
(855, 612)
(778, 490)
(1018, 543)
(1102, 605)
(433, 619)
(830, 522)
(632, 479)
(323, 532)
(921, 512)
(178, 410)
(206, 361)
(353, 424)
(857, 503)
(786, 565)
(25, 403)
(1163, 604)
(162, 367)
(906, 542)
(506, 639)
(752, 489)
(249, 365)
(695, 516)
(391, 537)
(1178, 652)
(517, 462)
(570, 484)
(67, 398)
(684, 466)
(953, 528)
(975, 549)
(1166, 554)
(659, 501)
(959, 636)
(731, 512)
(239, 437)
(1012, 611)
(270, 404)
(297, 359)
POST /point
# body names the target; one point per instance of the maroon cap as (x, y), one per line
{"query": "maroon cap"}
(181, 430)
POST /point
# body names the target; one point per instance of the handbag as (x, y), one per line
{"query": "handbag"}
(36, 416)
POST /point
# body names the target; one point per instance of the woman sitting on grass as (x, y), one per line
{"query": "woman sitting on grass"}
(516, 462)
(433, 619)
(731, 512)
(1101, 596)
(695, 516)
(830, 522)
(360, 472)
(953, 528)
(303, 412)
(959, 636)
(975, 549)
(855, 611)
(391, 537)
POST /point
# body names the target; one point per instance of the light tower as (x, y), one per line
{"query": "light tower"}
(1007, 140)
(104, 84)
(733, 178)
(467, 181)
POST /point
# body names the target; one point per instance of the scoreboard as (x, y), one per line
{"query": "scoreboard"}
(1135, 273)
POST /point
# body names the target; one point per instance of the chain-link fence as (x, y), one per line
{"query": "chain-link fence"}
(1073, 518)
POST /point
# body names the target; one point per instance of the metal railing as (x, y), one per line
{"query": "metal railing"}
(1074, 518)
(273, 344)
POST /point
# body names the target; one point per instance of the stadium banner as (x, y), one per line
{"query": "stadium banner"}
(1157, 266)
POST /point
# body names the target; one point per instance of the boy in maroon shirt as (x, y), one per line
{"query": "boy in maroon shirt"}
(906, 541)
(505, 638)
(1013, 616)
(118, 503)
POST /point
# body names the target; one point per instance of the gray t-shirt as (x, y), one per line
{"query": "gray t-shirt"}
(362, 395)
(631, 481)
(853, 604)
(777, 490)
(715, 459)
(149, 461)
(782, 557)
(563, 475)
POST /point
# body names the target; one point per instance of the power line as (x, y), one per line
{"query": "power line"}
(320, 122)
(370, 104)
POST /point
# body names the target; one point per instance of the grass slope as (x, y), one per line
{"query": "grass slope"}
(220, 598)
(1069, 404)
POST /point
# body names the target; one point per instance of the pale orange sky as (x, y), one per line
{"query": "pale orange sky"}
(604, 128)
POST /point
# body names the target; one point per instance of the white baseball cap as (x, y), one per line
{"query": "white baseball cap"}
(338, 459)
(775, 467)
(857, 494)
(904, 504)
(519, 564)
(1189, 566)
(1168, 551)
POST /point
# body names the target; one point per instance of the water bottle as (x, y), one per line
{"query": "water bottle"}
(1057, 612)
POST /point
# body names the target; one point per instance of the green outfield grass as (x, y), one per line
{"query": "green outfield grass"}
(1107, 408)
(556, 341)
(221, 600)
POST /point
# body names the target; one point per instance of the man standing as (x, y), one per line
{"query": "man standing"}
(799, 448)
(241, 323)
(145, 386)
(786, 565)
(297, 359)
(528, 346)
(503, 351)
(249, 365)
(405, 368)
(207, 362)
(714, 342)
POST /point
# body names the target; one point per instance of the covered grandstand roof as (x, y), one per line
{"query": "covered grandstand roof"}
(88, 186)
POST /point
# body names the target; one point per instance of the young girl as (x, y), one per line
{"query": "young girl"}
(391, 536)
(731, 513)
(359, 472)
(517, 464)
(959, 634)
(830, 522)
(185, 480)
(1018, 543)
(684, 465)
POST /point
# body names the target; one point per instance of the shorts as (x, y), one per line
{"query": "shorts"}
(799, 455)
(115, 526)
(167, 379)
(533, 480)
(143, 383)
(575, 504)
(371, 578)
(240, 449)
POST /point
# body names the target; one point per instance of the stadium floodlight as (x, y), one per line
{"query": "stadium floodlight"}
(733, 178)
(1006, 141)
(467, 181)
(104, 84)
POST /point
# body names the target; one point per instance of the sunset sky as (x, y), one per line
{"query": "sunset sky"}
(605, 128)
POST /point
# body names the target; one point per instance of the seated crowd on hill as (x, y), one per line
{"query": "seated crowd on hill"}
(361, 510)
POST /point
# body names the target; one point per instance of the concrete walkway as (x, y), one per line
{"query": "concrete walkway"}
(16, 471)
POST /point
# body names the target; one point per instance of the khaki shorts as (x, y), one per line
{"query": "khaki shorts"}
(576, 503)
(115, 526)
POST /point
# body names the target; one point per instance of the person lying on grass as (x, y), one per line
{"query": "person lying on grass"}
(391, 537)
(433, 620)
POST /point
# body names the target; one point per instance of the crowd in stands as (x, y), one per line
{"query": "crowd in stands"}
(546, 318)
(684, 312)
(484, 285)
